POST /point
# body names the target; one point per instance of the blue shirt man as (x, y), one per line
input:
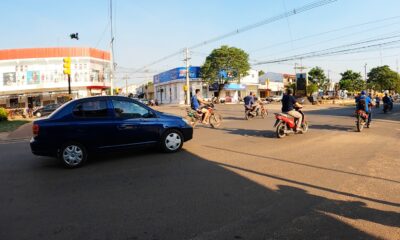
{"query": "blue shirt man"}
(249, 101)
(363, 100)
(195, 103)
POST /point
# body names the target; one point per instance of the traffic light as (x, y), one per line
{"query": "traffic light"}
(74, 35)
(67, 65)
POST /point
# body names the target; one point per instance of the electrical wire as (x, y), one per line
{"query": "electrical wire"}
(295, 11)
(326, 52)
(324, 33)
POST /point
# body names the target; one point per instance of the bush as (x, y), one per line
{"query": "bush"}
(3, 114)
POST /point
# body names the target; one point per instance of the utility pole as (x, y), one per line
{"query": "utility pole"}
(365, 72)
(187, 77)
(111, 53)
(126, 84)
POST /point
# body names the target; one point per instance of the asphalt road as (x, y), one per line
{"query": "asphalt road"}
(237, 182)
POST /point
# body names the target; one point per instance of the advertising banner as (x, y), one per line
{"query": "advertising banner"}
(9, 79)
(177, 74)
(301, 84)
(33, 77)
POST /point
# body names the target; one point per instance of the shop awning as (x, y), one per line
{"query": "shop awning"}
(234, 86)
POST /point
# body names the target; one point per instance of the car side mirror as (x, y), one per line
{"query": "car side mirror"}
(150, 114)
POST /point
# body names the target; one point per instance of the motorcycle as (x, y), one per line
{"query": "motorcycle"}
(286, 124)
(362, 118)
(261, 111)
(194, 117)
(386, 107)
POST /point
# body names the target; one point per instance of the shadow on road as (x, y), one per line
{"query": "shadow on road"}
(332, 127)
(300, 164)
(146, 195)
(377, 114)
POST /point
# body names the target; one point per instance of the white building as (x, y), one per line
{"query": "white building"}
(249, 83)
(35, 76)
(169, 86)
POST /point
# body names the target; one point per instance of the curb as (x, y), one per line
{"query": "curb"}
(14, 140)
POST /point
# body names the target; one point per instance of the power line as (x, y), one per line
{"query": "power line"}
(326, 52)
(295, 11)
(344, 36)
(266, 21)
(327, 32)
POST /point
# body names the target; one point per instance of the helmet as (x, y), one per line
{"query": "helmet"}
(363, 92)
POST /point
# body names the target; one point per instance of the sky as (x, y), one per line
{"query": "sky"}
(148, 30)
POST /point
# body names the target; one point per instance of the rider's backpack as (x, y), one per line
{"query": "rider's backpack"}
(361, 104)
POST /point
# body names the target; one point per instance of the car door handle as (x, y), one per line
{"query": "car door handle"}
(125, 126)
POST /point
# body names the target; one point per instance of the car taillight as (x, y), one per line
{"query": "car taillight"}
(35, 130)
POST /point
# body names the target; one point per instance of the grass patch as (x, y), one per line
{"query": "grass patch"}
(9, 126)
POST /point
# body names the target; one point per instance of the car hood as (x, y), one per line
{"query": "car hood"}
(168, 115)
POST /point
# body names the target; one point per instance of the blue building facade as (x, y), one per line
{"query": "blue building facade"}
(169, 86)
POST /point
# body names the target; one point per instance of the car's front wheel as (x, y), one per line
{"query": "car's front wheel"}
(73, 155)
(171, 141)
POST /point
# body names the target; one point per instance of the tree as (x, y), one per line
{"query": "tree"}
(316, 75)
(383, 78)
(261, 72)
(225, 58)
(293, 87)
(312, 88)
(351, 81)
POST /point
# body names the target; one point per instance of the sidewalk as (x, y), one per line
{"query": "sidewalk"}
(23, 132)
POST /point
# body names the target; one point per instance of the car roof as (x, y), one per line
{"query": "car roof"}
(102, 98)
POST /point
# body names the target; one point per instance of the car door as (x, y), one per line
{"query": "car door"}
(93, 123)
(135, 123)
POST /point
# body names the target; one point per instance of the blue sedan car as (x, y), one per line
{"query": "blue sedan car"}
(105, 123)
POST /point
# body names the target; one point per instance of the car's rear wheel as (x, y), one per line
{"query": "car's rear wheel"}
(171, 141)
(73, 155)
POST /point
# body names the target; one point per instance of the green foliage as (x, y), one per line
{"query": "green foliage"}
(316, 75)
(383, 78)
(3, 114)
(225, 58)
(312, 88)
(293, 87)
(351, 81)
(261, 72)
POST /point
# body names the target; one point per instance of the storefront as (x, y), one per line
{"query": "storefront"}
(270, 89)
(34, 77)
(169, 86)
(231, 92)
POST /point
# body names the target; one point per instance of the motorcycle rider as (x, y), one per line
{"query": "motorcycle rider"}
(386, 101)
(288, 106)
(377, 101)
(203, 109)
(364, 102)
(249, 103)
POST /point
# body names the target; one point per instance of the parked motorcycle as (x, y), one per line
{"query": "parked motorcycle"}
(286, 124)
(195, 117)
(362, 118)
